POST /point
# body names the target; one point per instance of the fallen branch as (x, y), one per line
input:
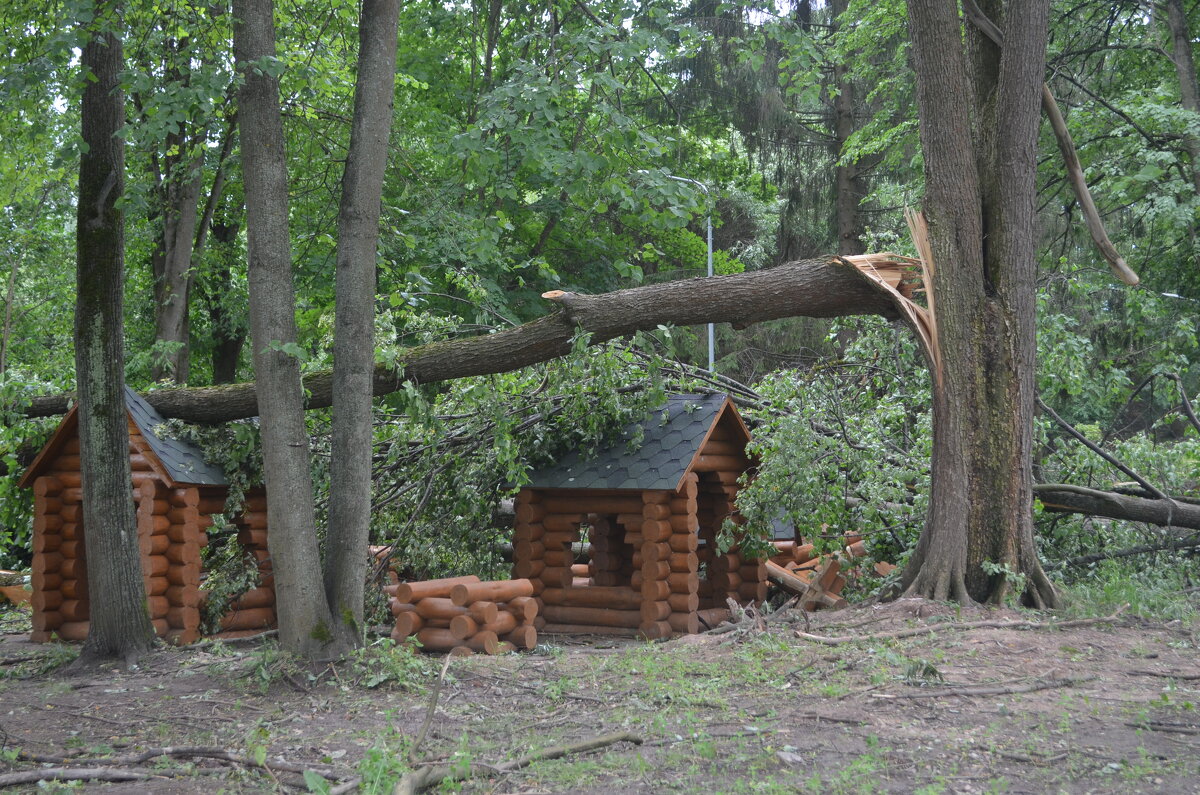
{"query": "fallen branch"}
(948, 625)
(182, 751)
(419, 780)
(79, 774)
(433, 701)
(1045, 684)
(1167, 675)
(1166, 727)
(1065, 498)
(1171, 545)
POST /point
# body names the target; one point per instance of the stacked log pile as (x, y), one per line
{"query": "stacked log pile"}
(463, 615)
(58, 572)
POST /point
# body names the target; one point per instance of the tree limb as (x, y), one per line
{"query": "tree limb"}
(1063, 498)
(811, 288)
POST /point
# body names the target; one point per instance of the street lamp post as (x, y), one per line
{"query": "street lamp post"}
(708, 223)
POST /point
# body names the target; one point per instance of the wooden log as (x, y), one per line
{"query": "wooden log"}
(592, 503)
(499, 591)
(74, 610)
(753, 572)
(183, 617)
(581, 582)
(407, 624)
(561, 523)
(183, 554)
(581, 570)
(436, 639)
(684, 602)
(464, 626)
(71, 513)
(252, 538)
(684, 506)
(183, 595)
(713, 616)
(414, 591)
(655, 630)
(73, 631)
(441, 607)
(687, 623)
(804, 553)
(45, 522)
(157, 586)
(523, 637)
(584, 629)
(684, 561)
(154, 544)
(529, 550)
(595, 616)
(45, 541)
(528, 569)
(656, 552)
(724, 447)
(594, 596)
(46, 563)
(655, 590)
(44, 622)
(688, 525)
(71, 481)
(188, 497)
(397, 607)
(721, 463)
(680, 582)
(47, 581)
(558, 558)
(183, 637)
(655, 570)
(73, 568)
(525, 608)
(655, 511)
(254, 598)
(47, 486)
(258, 618)
(858, 549)
(655, 611)
(74, 588)
(211, 502)
(254, 521)
(46, 601)
(158, 607)
(530, 514)
(752, 591)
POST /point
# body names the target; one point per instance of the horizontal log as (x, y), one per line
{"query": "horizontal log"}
(1063, 498)
(786, 580)
(254, 598)
(655, 630)
(615, 598)
(74, 610)
(684, 561)
(561, 523)
(407, 624)
(528, 569)
(591, 504)
(529, 513)
(499, 591)
(435, 639)
(724, 447)
(684, 506)
(46, 542)
(74, 588)
(524, 637)
(525, 608)
(252, 538)
(72, 631)
(683, 583)
(465, 626)
(713, 616)
(46, 486)
(655, 611)
(721, 463)
(46, 601)
(595, 616)
(688, 623)
(684, 525)
(183, 636)
(258, 618)
(684, 602)
(157, 586)
(442, 607)
(183, 617)
(586, 629)
(413, 591)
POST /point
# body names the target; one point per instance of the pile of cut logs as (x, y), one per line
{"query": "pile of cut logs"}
(816, 579)
(462, 615)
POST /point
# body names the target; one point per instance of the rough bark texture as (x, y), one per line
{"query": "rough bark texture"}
(808, 288)
(849, 182)
(120, 623)
(1189, 86)
(173, 263)
(305, 622)
(354, 332)
(979, 121)
(1063, 498)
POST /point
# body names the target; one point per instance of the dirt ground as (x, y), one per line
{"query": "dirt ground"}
(1103, 707)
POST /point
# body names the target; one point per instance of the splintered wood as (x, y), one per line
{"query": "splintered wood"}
(462, 615)
(817, 580)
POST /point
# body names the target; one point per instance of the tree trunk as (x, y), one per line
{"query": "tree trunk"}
(173, 265)
(354, 334)
(849, 187)
(305, 622)
(1062, 498)
(809, 288)
(228, 329)
(119, 621)
(979, 124)
(1189, 87)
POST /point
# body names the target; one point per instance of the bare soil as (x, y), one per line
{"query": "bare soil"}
(1105, 707)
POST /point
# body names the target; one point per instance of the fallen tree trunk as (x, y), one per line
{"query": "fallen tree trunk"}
(1077, 499)
(1167, 545)
(808, 288)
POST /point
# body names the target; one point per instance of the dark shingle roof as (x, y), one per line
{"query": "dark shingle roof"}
(671, 438)
(183, 462)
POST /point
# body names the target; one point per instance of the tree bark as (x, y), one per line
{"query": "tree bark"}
(305, 621)
(1063, 498)
(119, 622)
(1189, 86)
(354, 332)
(979, 115)
(808, 288)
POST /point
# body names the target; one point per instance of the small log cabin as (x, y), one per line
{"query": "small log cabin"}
(176, 492)
(649, 519)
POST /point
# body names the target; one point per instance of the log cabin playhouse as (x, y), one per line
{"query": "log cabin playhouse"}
(175, 494)
(650, 519)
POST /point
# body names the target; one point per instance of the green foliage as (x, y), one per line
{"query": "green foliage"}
(385, 662)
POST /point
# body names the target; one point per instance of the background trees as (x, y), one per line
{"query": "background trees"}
(534, 149)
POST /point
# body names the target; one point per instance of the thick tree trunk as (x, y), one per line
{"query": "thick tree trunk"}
(173, 265)
(228, 328)
(119, 622)
(979, 133)
(354, 333)
(809, 288)
(1185, 70)
(305, 621)
(849, 185)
